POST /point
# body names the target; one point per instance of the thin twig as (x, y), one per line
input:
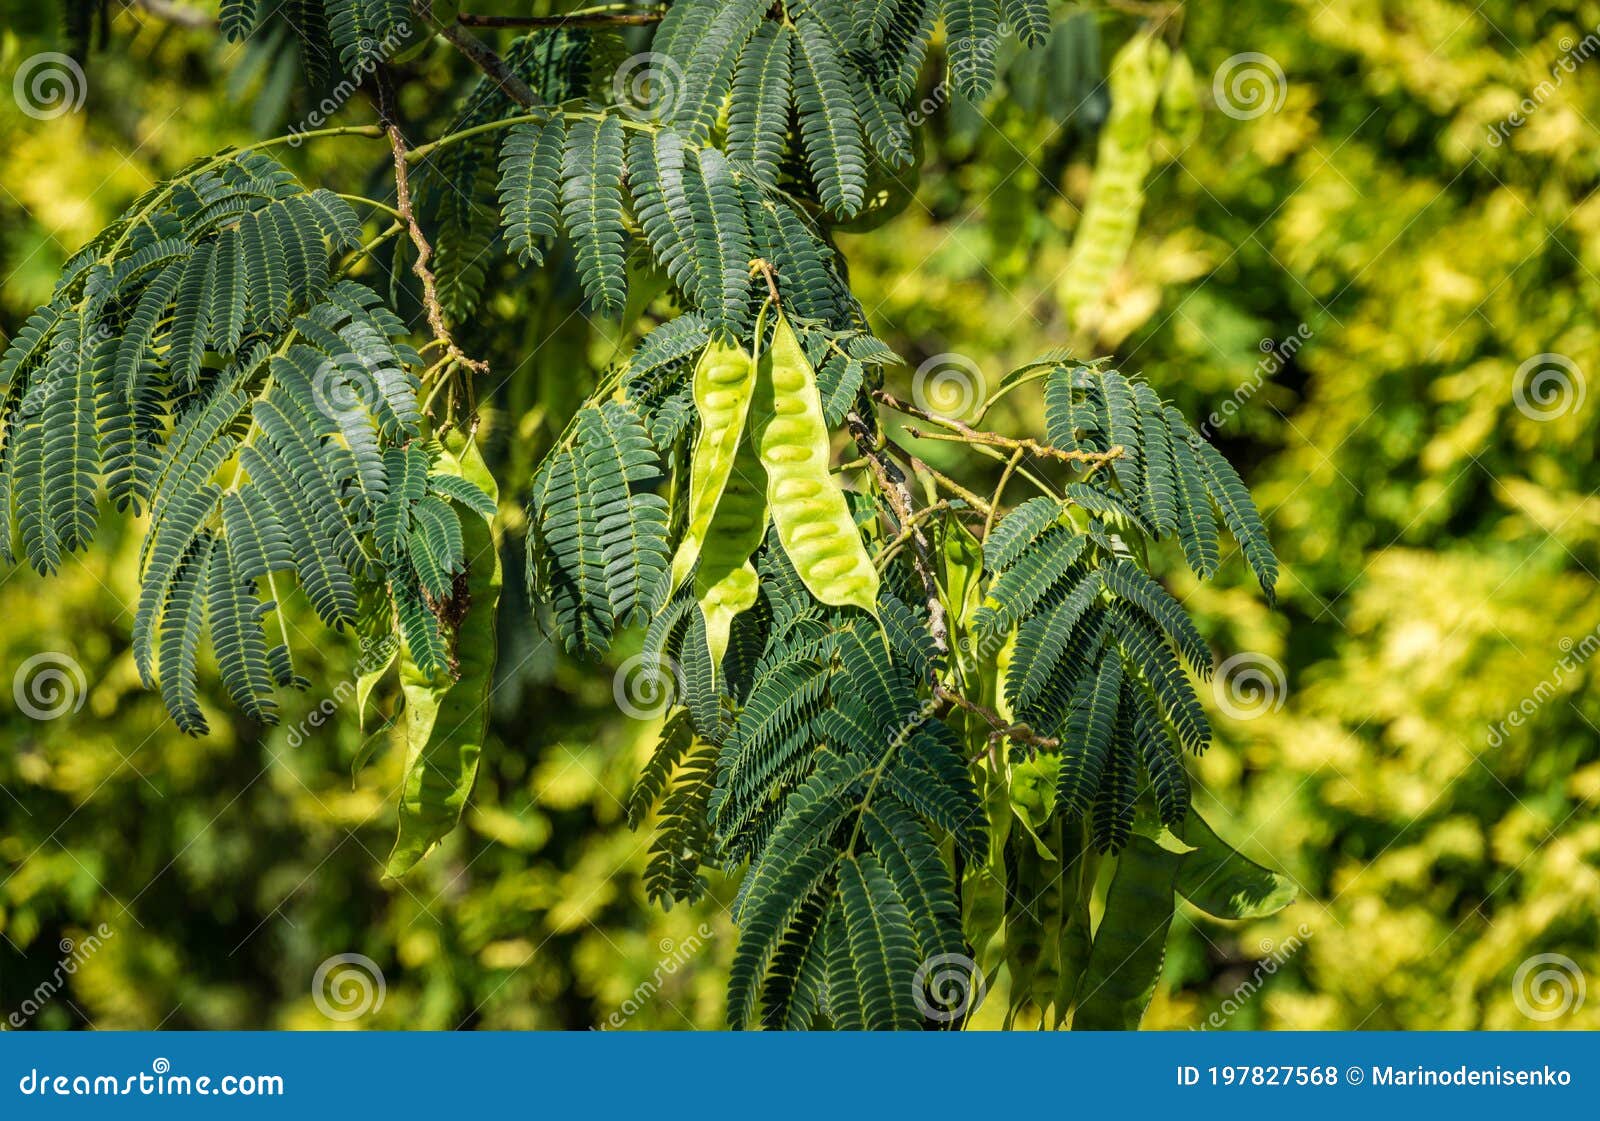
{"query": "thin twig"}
(966, 434)
(481, 55)
(576, 19)
(979, 504)
(1000, 728)
(402, 190)
(1009, 443)
(887, 553)
(770, 273)
(1000, 490)
(892, 482)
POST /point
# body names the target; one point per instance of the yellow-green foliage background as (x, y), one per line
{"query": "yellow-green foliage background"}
(1439, 548)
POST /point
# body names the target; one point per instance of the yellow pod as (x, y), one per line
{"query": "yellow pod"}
(724, 380)
(808, 508)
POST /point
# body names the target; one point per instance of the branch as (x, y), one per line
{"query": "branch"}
(1017, 733)
(402, 190)
(481, 55)
(966, 434)
(945, 481)
(576, 19)
(765, 268)
(887, 553)
(892, 482)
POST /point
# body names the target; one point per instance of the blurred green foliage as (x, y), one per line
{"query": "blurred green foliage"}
(1357, 284)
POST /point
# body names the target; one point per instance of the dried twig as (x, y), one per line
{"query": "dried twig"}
(577, 19)
(999, 728)
(892, 482)
(966, 434)
(766, 269)
(481, 55)
(402, 190)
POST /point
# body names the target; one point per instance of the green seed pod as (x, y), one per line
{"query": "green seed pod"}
(1180, 100)
(726, 581)
(446, 716)
(724, 380)
(808, 509)
(1111, 217)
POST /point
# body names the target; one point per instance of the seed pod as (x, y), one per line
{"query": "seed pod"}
(1111, 217)
(726, 582)
(809, 510)
(724, 380)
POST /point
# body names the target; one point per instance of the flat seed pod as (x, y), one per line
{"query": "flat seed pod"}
(808, 509)
(724, 380)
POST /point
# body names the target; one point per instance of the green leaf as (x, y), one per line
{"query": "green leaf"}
(1223, 883)
(883, 949)
(530, 177)
(591, 209)
(829, 125)
(758, 118)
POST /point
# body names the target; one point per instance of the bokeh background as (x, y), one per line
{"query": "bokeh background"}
(1379, 280)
